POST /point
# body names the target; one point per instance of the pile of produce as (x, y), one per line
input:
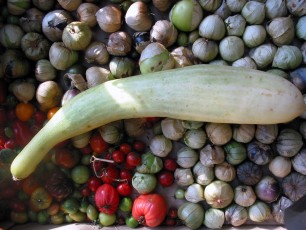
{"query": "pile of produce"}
(152, 112)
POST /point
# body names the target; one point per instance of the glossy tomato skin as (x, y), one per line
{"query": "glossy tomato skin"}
(151, 208)
(97, 143)
(107, 199)
(22, 132)
(170, 164)
(118, 156)
(124, 189)
(133, 159)
(166, 178)
(111, 173)
(126, 174)
(139, 146)
(93, 183)
(125, 148)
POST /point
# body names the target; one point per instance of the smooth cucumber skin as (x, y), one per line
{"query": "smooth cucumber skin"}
(200, 93)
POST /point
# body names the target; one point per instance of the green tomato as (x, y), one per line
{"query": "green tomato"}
(186, 15)
(179, 193)
(92, 212)
(107, 219)
(78, 216)
(80, 174)
(70, 206)
(42, 217)
(131, 222)
(126, 204)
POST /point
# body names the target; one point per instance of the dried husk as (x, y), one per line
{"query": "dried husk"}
(134, 127)
(231, 48)
(287, 57)
(138, 17)
(192, 124)
(44, 71)
(266, 134)
(254, 12)
(210, 5)
(259, 212)
(276, 8)
(162, 5)
(249, 173)
(244, 195)
(235, 25)
(112, 132)
(245, 62)
(236, 6)
(194, 193)
(214, 218)
(263, 55)
(186, 157)
(244, 133)
(218, 194)
(11, 36)
(225, 172)
(164, 32)
(236, 215)
(160, 146)
(183, 56)
(48, 95)
(299, 162)
(204, 49)
(32, 20)
(82, 140)
(212, 27)
(195, 138)
(203, 175)
(279, 207)
(223, 11)
(296, 7)
(259, 153)
(288, 142)
(24, 91)
(119, 43)
(96, 75)
(70, 5)
(211, 155)
(183, 177)
(254, 35)
(294, 186)
(280, 166)
(35, 46)
(172, 129)
(45, 5)
(218, 133)
(109, 18)
(281, 30)
(96, 52)
(86, 12)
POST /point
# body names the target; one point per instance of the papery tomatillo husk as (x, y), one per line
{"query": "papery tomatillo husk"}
(82, 140)
(11, 35)
(211, 155)
(218, 133)
(281, 30)
(195, 138)
(150, 163)
(235, 6)
(225, 172)
(35, 46)
(191, 214)
(235, 25)
(61, 57)
(268, 189)
(109, 18)
(218, 194)
(186, 157)
(183, 56)
(86, 12)
(18, 7)
(266, 134)
(287, 57)
(245, 62)
(172, 129)
(223, 11)
(298, 78)
(53, 24)
(279, 207)
(144, 183)
(210, 5)
(259, 153)
(253, 12)
(121, 67)
(212, 27)
(254, 35)
(249, 173)
(69, 94)
(77, 35)
(214, 218)
(263, 55)
(48, 95)
(45, 5)
(244, 133)
(134, 127)
(183, 177)
(162, 5)
(294, 186)
(235, 152)
(138, 17)
(203, 174)
(24, 91)
(193, 14)
(96, 75)
(164, 32)
(141, 40)
(280, 166)
(14, 64)
(32, 20)
(302, 129)
(70, 5)
(275, 8)
(112, 132)
(244, 195)
(204, 49)
(96, 52)
(288, 142)
(192, 124)
(155, 57)
(299, 162)
(278, 72)
(236, 215)
(194, 193)
(259, 212)
(218, 62)
(303, 50)
(296, 7)
(231, 48)
(76, 80)
(160, 145)
(119, 43)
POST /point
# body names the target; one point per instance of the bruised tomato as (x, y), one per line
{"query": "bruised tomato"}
(93, 183)
(110, 174)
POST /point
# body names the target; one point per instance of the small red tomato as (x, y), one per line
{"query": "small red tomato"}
(39, 117)
(111, 173)
(118, 156)
(97, 167)
(170, 221)
(170, 164)
(86, 150)
(85, 191)
(172, 212)
(97, 143)
(125, 148)
(22, 132)
(133, 159)
(3, 140)
(10, 144)
(126, 174)
(66, 158)
(124, 189)
(139, 146)
(166, 178)
(93, 183)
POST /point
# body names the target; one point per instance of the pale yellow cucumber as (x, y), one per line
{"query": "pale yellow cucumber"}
(202, 93)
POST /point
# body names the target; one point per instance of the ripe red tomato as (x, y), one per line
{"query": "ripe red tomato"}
(124, 189)
(133, 159)
(22, 132)
(39, 117)
(118, 156)
(93, 183)
(139, 146)
(10, 144)
(66, 158)
(30, 184)
(172, 212)
(125, 148)
(107, 199)
(166, 178)
(170, 164)
(111, 173)
(85, 191)
(97, 143)
(97, 167)
(126, 174)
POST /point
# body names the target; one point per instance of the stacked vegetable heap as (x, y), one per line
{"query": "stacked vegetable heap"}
(210, 133)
